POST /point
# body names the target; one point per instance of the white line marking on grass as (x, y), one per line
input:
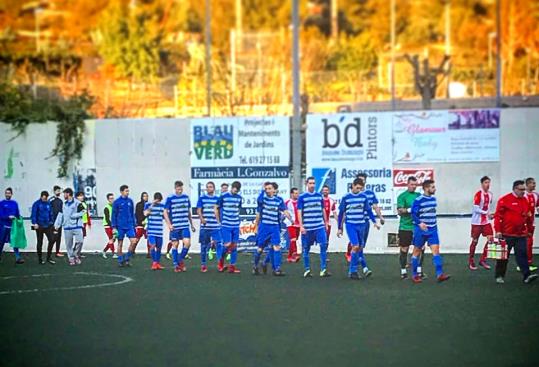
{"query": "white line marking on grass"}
(123, 280)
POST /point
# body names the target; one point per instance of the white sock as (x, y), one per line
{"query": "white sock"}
(403, 271)
(419, 270)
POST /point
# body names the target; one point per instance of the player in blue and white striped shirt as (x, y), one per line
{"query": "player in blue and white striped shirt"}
(227, 212)
(154, 228)
(210, 230)
(313, 226)
(178, 217)
(354, 210)
(426, 230)
(268, 224)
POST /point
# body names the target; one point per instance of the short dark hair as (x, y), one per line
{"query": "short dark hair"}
(325, 187)
(224, 184)
(517, 183)
(79, 193)
(275, 185)
(210, 183)
(56, 187)
(309, 179)
(484, 178)
(178, 184)
(68, 191)
(157, 196)
(427, 183)
(9, 189)
(123, 188)
(267, 183)
(412, 178)
(361, 175)
(358, 181)
(293, 189)
(529, 180)
(44, 193)
(109, 195)
(236, 185)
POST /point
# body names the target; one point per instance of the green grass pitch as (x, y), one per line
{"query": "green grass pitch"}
(194, 319)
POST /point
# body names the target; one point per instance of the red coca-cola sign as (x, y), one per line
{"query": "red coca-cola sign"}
(400, 176)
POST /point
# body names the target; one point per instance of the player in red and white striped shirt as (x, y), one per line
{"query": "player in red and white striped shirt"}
(533, 199)
(330, 207)
(481, 223)
(293, 227)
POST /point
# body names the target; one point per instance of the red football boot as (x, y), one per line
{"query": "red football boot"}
(233, 270)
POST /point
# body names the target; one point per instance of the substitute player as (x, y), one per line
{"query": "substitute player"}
(426, 230)
(178, 218)
(293, 226)
(227, 212)
(107, 225)
(406, 225)
(123, 224)
(313, 223)
(154, 214)
(210, 231)
(140, 228)
(330, 208)
(533, 199)
(481, 223)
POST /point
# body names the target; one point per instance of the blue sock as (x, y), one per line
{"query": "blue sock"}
(203, 254)
(158, 253)
(437, 261)
(175, 256)
(277, 257)
(323, 256)
(234, 256)
(354, 262)
(415, 264)
(184, 252)
(128, 256)
(17, 253)
(269, 256)
(256, 258)
(120, 259)
(152, 253)
(306, 258)
(362, 260)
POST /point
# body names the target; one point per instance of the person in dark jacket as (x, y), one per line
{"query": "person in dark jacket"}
(140, 229)
(56, 205)
(42, 223)
(9, 210)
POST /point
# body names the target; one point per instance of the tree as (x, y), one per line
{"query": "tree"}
(427, 81)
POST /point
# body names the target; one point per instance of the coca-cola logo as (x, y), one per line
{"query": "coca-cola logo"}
(400, 176)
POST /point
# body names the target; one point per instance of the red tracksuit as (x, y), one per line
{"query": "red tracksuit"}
(513, 217)
(533, 199)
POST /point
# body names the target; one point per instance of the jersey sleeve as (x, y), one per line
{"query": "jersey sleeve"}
(342, 206)
(283, 207)
(199, 202)
(415, 212)
(400, 201)
(168, 204)
(300, 203)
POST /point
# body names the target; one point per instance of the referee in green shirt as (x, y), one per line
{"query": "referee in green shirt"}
(406, 225)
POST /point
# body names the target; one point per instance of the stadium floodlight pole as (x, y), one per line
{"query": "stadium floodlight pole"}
(392, 26)
(498, 54)
(296, 120)
(208, 58)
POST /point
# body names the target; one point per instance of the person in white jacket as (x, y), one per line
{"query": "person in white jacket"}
(70, 219)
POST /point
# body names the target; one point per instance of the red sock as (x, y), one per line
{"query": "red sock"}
(349, 250)
(473, 246)
(293, 248)
(484, 254)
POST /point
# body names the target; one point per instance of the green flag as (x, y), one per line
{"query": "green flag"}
(18, 236)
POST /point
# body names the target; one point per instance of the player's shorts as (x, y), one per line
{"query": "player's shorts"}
(141, 231)
(482, 229)
(179, 234)
(155, 240)
(109, 232)
(405, 237)
(430, 236)
(316, 235)
(207, 235)
(230, 235)
(293, 232)
(268, 234)
(356, 234)
(129, 233)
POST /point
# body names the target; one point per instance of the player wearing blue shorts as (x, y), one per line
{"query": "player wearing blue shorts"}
(154, 228)
(178, 218)
(209, 227)
(354, 208)
(426, 230)
(123, 224)
(313, 224)
(227, 212)
(268, 228)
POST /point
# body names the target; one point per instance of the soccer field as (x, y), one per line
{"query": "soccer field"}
(194, 319)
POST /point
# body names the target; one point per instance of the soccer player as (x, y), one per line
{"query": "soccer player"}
(107, 224)
(513, 222)
(154, 213)
(313, 223)
(9, 210)
(56, 205)
(293, 226)
(406, 225)
(140, 229)
(268, 228)
(178, 218)
(426, 230)
(373, 201)
(227, 212)
(330, 208)
(354, 208)
(123, 224)
(70, 219)
(481, 223)
(533, 199)
(42, 223)
(209, 227)
(224, 188)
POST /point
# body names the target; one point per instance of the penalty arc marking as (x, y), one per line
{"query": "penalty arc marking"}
(121, 279)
